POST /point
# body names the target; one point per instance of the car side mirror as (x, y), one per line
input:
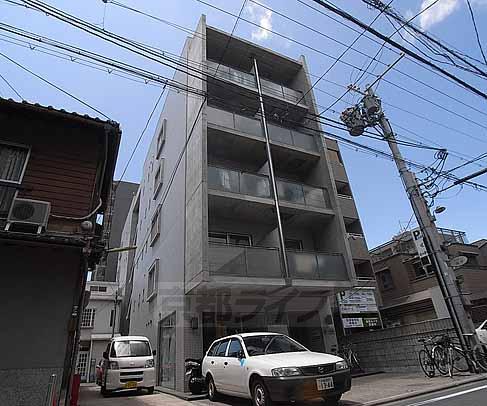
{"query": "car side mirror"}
(153, 352)
(105, 354)
(241, 355)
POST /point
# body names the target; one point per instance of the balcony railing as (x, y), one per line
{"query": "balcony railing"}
(247, 79)
(253, 127)
(312, 265)
(234, 260)
(228, 180)
(262, 262)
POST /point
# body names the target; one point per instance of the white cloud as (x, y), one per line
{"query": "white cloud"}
(263, 17)
(437, 13)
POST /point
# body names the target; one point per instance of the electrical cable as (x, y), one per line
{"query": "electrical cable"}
(472, 16)
(11, 87)
(54, 85)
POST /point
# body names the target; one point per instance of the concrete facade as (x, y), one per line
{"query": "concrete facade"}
(101, 319)
(208, 260)
(409, 291)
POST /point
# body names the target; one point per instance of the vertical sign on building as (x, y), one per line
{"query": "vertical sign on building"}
(420, 245)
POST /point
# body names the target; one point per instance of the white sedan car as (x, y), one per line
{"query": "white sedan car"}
(482, 332)
(270, 367)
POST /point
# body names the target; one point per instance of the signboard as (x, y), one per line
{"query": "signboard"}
(358, 308)
(360, 300)
(371, 322)
(418, 240)
(352, 322)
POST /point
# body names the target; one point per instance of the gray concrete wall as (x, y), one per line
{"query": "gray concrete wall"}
(37, 290)
(396, 349)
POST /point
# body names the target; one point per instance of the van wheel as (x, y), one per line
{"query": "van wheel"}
(260, 395)
(332, 400)
(212, 392)
(103, 391)
(150, 390)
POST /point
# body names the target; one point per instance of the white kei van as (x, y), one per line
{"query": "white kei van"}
(128, 364)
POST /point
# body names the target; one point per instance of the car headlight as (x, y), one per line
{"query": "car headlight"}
(113, 365)
(289, 371)
(340, 365)
(149, 363)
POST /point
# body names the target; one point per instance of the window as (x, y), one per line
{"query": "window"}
(87, 318)
(155, 230)
(271, 344)
(222, 348)
(161, 138)
(213, 349)
(13, 161)
(294, 244)
(230, 238)
(132, 348)
(158, 177)
(152, 280)
(472, 259)
(422, 271)
(385, 278)
(98, 288)
(234, 348)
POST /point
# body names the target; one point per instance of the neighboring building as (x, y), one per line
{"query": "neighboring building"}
(99, 323)
(409, 290)
(56, 171)
(122, 199)
(208, 261)
(126, 262)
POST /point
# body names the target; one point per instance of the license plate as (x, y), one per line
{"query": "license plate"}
(130, 385)
(325, 383)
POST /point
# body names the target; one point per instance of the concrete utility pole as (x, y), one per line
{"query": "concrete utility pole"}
(369, 113)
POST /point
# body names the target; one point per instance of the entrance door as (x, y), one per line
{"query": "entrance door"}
(82, 365)
(306, 329)
(167, 352)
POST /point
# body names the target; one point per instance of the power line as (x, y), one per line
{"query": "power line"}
(472, 16)
(407, 51)
(55, 86)
(11, 87)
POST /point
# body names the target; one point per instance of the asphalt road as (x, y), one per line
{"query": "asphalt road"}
(474, 394)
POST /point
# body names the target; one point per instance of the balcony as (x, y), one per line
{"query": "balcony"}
(358, 246)
(339, 172)
(258, 186)
(316, 266)
(234, 260)
(222, 80)
(347, 205)
(250, 126)
(260, 262)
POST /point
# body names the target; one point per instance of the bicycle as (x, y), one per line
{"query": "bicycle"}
(426, 355)
(347, 353)
(453, 357)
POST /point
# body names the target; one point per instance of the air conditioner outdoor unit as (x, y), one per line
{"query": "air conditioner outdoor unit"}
(30, 212)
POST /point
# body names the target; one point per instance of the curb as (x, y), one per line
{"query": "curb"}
(181, 395)
(426, 391)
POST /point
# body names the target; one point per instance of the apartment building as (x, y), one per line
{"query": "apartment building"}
(409, 289)
(99, 323)
(122, 196)
(209, 258)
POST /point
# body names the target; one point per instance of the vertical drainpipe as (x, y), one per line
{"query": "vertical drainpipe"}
(263, 121)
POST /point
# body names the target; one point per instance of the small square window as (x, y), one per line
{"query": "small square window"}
(155, 230)
(152, 280)
(385, 278)
(158, 177)
(161, 138)
(87, 318)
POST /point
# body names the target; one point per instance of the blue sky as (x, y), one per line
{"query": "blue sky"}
(379, 194)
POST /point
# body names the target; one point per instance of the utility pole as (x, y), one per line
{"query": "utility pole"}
(369, 113)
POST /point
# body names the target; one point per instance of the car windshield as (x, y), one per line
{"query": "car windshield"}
(271, 344)
(132, 348)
